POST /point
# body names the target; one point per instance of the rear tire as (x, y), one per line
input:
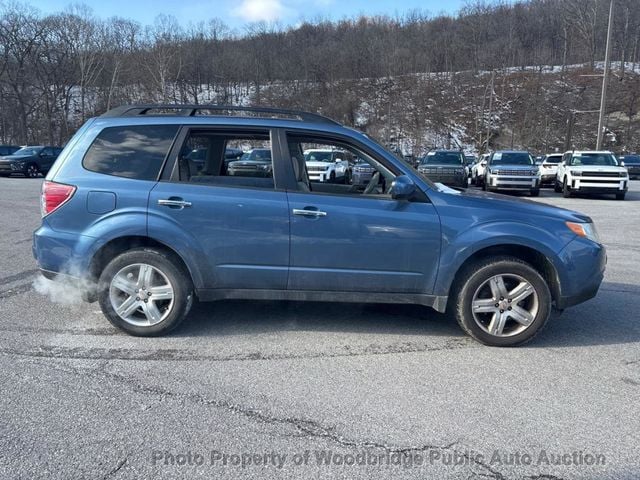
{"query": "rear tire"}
(126, 292)
(476, 287)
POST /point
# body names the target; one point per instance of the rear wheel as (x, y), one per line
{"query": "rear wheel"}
(145, 292)
(32, 171)
(502, 302)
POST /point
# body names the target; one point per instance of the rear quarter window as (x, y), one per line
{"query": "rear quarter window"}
(130, 151)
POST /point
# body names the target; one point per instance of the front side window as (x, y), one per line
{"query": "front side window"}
(328, 166)
(227, 159)
(130, 151)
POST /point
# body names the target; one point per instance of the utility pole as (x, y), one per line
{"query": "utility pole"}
(605, 80)
(493, 75)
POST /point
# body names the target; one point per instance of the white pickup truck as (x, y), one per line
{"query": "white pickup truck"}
(591, 172)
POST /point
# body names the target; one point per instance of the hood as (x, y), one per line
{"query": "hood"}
(596, 168)
(513, 167)
(13, 158)
(515, 207)
(319, 164)
(441, 165)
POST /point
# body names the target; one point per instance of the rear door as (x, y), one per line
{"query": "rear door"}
(236, 228)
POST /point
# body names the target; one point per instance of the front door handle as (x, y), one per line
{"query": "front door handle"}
(173, 202)
(309, 213)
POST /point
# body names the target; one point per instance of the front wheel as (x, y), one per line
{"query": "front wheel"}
(566, 191)
(145, 292)
(502, 302)
(535, 192)
(557, 187)
(620, 196)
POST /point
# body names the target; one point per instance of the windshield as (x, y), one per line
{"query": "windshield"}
(511, 158)
(27, 151)
(257, 155)
(553, 160)
(442, 158)
(317, 156)
(594, 159)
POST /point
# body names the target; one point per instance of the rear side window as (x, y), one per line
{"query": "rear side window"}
(130, 151)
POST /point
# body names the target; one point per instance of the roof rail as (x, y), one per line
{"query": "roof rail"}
(191, 111)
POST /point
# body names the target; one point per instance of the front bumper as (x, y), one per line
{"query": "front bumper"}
(499, 182)
(361, 179)
(594, 185)
(582, 272)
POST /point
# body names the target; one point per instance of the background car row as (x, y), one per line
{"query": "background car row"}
(29, 161)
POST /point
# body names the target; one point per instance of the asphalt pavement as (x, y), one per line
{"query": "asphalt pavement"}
(310, 390)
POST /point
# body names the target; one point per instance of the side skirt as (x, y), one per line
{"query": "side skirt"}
(438, 303)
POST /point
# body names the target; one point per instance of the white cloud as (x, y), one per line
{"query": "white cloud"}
(260, 10)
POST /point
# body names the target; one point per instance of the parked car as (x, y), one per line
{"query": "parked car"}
(591, 172)
(29, 161)
(550, 168)
(198, 156)
(328, 165)
(254, 163)
(513, 171)
(122, 213)
(632, 164)
(7, 149)
(361, 173)
(478, 169)
(445, 166)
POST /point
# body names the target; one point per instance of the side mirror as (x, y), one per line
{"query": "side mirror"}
(483, 164)
(338, 160)
(402, 188)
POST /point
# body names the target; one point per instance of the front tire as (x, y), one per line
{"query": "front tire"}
(145, 292)
(620, 196)
(501, 302)
(557, 187)
(566, 191)
(535, 192)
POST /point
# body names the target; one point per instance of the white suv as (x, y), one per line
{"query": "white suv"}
(512, 170)
(591, 172)
(325, 165)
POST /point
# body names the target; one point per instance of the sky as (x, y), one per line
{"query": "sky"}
(238, 13)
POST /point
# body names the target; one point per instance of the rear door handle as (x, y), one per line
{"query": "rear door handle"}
(309, 213)
(173, 202)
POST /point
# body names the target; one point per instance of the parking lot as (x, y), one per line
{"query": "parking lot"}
(311, 390)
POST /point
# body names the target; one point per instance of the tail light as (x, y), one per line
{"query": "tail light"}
(54, 195)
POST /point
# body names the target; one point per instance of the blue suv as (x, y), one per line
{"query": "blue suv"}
(145, 231)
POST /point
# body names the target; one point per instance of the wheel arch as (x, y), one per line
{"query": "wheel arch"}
(118, 245)
(538, 260)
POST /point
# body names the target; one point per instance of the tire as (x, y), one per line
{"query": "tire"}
(566, 191)
(347, 177)
(475, 284)
(620, 196)
(332, 177)
(557, 187)
(167, 274)
(484, 184)
(32, 170)
(535, 192)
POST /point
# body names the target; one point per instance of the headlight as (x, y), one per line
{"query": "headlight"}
(585, 230)
(264, 167)
(576, 173)
(535, 172)
(623, 174)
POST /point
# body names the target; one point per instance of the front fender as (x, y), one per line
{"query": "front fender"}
(456, 250)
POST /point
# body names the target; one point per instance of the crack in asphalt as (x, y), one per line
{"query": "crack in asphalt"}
(98, 353)
(115, 470)
(17, 276)
(630, 381)
(17, 290)
(310, 428)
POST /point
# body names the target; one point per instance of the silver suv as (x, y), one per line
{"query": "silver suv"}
(512, 170)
